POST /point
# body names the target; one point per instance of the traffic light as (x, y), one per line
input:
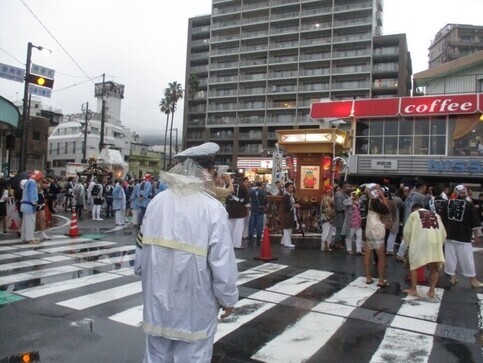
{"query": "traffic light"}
(40, 81)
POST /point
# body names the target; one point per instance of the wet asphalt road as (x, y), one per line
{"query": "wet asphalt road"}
(307, 305)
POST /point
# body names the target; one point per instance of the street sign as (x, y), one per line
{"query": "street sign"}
(12, 73)
(42, 71)
(40, 91)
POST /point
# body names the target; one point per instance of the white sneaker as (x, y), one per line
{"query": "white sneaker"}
(99, 219)
(44, 237)
(289, 246)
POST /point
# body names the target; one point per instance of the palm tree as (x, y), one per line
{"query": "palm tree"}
(174, 93)
(165, 107)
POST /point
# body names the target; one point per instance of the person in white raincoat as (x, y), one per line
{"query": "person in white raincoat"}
(185, 258)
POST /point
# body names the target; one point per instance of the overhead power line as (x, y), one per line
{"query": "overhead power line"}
(55, 39)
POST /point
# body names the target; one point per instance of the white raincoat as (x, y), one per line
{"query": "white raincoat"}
(185, 258)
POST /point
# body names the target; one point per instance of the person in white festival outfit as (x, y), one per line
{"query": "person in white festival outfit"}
(119, 203)
(185, 258)
(30, 197)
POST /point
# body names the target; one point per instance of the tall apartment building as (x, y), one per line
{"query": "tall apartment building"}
(454, 41)
(260, 64)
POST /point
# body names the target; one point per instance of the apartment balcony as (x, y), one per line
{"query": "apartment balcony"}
(195, 136)
(250, 149)
(283, 59)
(223, 93)
(198, 122)
(223, 65)
(258, 91)
(222, 80)
(250, 136)
(352, 54)
(221, 120)
(251, 106)
(254, 34)
(352, 22)
(256, 20)
(194, 56)
(276, 3)
(221, 135)
(199, 69)
(286, 30)
(283, 45)
(257, 5)
(225, 24)
(225, 150)
(283, 75)
(197, 109)
(283, 89)
(282, 16)
(326, 10)
(351, 38)
(225, 38)
(254, 48)
(224, 51)
(351, 85)
(254, 120)
(223, 11)
(314, 56)
(353, 6)
(253, 62)
(351, 69)
(200, 43)
(314, 42)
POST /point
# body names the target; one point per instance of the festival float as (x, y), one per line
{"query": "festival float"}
(109, 163)
(315, 162)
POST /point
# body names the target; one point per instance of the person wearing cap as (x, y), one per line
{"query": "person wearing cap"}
(461, 222)
(30, 197)
(146, 194)
(186, 261)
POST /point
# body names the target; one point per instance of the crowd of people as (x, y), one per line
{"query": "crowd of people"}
(96, 197)
(434, 226)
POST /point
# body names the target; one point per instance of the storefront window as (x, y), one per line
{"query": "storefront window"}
(405, 143)
(421, 145)
(390, 145)
(375, 145)
(437, 146)
(406, 126)
(390, 127)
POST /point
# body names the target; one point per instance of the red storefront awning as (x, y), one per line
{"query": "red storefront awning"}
(454, 104)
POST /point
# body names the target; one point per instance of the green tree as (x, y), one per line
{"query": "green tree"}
(174, 93)
(165, 107)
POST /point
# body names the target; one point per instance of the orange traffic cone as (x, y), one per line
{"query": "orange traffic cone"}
(13, 225)
(266, 248)
(422, 276)
(74, 231)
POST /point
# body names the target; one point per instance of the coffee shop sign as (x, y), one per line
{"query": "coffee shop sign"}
(456, 166)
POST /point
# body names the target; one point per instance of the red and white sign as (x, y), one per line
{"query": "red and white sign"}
(455, 104)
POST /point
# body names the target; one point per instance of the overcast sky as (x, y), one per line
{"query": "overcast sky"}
(142, 44)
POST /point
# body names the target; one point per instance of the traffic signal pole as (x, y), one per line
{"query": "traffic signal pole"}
(25, 113)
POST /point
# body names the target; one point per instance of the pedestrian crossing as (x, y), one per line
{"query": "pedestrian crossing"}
(285, 314)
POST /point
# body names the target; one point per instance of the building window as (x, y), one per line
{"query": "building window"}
(403, 136)
(36, 135)
(50, 148)
(66, 148)
(73, 147)
(58, 148)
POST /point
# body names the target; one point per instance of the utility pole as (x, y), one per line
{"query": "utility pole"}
(84, 147)
(25, 112)
(103, 112)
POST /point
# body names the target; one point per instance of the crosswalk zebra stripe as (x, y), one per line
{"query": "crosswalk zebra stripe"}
(102, 297)
(7, 248)
(60, 286)
(27, 253)
(132, 316)
(104, 251)
(22, 264)
(79, 246)
(257, 272)
(354, 294)
(301, 340)
(403, 346)
(245, 311)
(56, 242)
(418, 315)
(257, 303)
(8, 256)
(38, 274)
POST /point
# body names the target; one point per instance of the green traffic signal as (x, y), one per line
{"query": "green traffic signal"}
(40, 81)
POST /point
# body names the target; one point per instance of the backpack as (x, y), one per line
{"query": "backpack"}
(152, 190)
(96, 190)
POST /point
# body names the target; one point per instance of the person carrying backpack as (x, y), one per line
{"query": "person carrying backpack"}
(146, 194)
(96, 194)
(109, 198)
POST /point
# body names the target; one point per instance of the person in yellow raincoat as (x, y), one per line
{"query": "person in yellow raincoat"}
(425, 234)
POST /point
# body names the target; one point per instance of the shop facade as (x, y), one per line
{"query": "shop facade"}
(437, 138)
